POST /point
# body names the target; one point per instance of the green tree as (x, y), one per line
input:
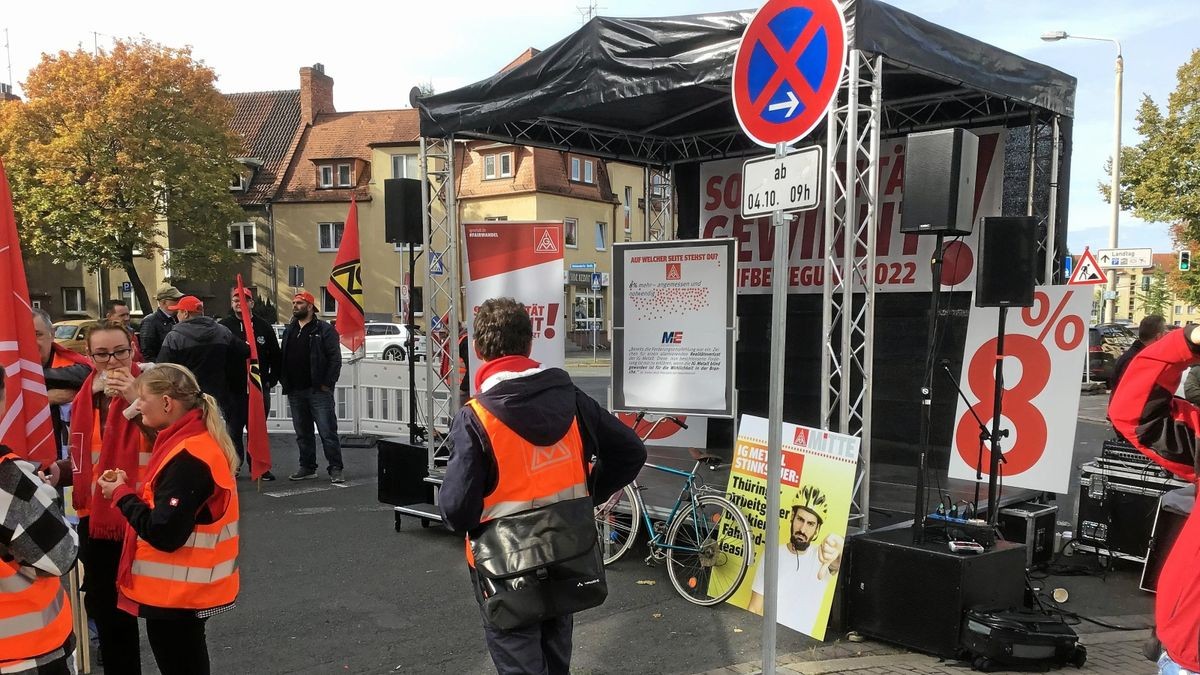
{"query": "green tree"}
(1160, 176)
(1156, 298)
(113, 147)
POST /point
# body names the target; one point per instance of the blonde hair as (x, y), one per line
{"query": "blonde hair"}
(177, 382)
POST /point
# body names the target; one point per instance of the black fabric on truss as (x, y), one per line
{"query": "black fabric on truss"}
(670, 77)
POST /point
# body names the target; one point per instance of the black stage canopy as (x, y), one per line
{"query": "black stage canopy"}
(656, 90)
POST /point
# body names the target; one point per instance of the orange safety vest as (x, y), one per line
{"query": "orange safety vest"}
(144, 454)
(203, 573)
(35, 614)
(529, 476)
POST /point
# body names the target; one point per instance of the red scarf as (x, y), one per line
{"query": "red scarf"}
(504, 364)
(121, 441)
(191, 424)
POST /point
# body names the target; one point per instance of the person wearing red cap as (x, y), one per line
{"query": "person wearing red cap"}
(312, 363)
(208, 349)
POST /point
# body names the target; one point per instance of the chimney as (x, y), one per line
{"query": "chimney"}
(316, 93)
(6, 93)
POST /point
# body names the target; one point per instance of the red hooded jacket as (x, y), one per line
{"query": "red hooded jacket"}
(1163, 427)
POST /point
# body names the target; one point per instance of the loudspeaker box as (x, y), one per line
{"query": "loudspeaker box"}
(1007, 253)
(402, 221)
(939, 182)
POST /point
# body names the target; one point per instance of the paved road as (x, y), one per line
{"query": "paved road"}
(328, 586)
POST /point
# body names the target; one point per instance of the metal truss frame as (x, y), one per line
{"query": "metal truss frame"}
(660, 203)
(1045, 146)
(442, 298)
(851, 227)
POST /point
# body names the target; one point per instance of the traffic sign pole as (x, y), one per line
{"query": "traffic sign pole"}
(779, 292)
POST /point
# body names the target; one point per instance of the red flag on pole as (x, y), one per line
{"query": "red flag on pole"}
(25, 427)
(258, 445)
(345, 283)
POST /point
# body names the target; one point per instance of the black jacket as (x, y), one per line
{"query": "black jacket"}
(210, 351)
(539, 407)
(1123, 362)
(153, 331)
(325, 356)
(268, 346)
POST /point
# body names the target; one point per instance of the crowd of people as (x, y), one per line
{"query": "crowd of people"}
(149, 429)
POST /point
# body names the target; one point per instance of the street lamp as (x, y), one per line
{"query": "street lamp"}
(1115, 189)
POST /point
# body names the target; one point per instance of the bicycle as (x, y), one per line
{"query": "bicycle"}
(705, 540)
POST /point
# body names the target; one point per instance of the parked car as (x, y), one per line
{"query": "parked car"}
(1106, 343)
(390, 341)
(72, 334)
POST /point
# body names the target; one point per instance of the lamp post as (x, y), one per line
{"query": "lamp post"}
(1115, 190)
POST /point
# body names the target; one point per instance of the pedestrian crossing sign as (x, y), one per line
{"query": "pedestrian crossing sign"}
(1088, 270)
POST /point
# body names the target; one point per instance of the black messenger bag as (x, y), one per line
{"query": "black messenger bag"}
(538, 564)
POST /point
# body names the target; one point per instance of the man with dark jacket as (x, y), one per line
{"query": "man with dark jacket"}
(156, 326)
(208, 349)
(526, 439)
(64, 371)
(311, 363)
(268, 366)
(1164, 428)
(1151, 328)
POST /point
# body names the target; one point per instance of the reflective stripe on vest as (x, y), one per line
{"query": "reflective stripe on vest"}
(35, 615)
(203, 573)
(530, 476)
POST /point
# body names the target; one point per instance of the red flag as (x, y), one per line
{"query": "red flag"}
(258, 446)
(25, 427)
(345, 283)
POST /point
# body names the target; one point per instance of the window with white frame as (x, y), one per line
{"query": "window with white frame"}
(405, 247)
(576, 169)
(570, 232)
(495, 218)
(241, 238)
(489, 167)
(328, 303)
(416, 296)
(589, 171)
(344, 177)
(628, 210)
(498, 165)
(237, 183)
(325, 176)
(73, 300)
(506, 164)
(600, 236)
(329, 236)
(405, 166)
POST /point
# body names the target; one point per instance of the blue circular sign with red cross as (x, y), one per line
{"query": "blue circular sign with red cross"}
(788, 68)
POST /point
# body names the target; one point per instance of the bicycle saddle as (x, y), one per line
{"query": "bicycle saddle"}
(704, 456)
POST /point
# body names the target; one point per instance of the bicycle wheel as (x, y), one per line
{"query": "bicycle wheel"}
(703, 545)
(617, 522)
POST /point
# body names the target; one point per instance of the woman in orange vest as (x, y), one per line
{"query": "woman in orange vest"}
(39, 547)
(179, 562)
(103, 438)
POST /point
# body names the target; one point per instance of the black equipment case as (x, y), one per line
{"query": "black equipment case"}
(1118, 501)
(1019, 640)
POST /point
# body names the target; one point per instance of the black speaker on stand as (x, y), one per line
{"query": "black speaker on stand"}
(1004, 278)
(404, 223)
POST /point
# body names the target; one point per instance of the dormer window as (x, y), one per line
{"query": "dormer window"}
(344, 176)
(583, 170)
(326, 176)
(238, 183)
(498, 165)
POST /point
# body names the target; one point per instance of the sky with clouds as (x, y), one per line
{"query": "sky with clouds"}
(377, 51)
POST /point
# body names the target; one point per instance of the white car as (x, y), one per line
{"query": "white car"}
(390, 341)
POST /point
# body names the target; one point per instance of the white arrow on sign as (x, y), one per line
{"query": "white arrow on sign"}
(791, 104)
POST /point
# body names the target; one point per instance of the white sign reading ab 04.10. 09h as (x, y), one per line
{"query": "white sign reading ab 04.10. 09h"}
(791, 183)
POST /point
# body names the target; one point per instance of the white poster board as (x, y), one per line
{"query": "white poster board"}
(674, 325)
(1044, 349)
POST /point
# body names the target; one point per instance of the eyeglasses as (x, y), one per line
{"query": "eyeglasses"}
(103, 357)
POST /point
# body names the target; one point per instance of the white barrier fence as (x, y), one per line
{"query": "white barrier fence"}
(372, 397)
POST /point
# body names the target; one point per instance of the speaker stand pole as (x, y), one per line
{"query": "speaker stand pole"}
(927, 393)
(416, 433)
(997, 434)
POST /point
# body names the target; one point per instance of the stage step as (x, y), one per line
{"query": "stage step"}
(427, 513)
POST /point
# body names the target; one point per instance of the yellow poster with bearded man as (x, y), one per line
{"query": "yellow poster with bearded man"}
(816, 486)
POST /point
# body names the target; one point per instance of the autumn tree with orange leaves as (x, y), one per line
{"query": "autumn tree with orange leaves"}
(112, 148)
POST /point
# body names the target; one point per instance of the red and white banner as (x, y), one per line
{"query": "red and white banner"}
(521, 260)
(902, 260)
(1044, 349)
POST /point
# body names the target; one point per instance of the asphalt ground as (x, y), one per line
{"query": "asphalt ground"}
(329, 586)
